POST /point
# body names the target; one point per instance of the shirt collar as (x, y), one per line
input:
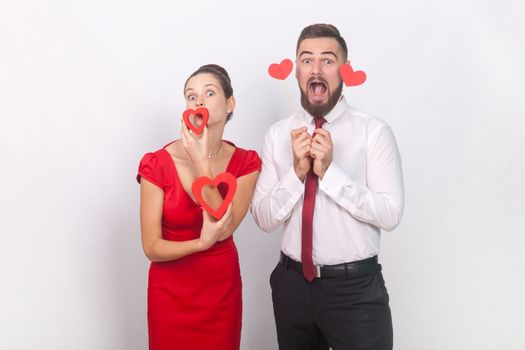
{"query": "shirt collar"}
(336, 112)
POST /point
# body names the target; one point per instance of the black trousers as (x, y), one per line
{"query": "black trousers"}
(344, 313)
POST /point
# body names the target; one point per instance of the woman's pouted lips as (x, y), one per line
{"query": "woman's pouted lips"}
(317, 90)
(197, 119)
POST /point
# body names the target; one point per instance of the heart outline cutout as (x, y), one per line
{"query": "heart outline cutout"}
(203, 112)
(351, 77)
(281, 70)
(201, 181)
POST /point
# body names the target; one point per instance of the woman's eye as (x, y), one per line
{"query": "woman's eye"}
(328, 61)
(306, 61)
(191, 97)
(210, 93)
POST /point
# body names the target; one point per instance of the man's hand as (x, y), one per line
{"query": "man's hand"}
(301, 145)
(321, 151)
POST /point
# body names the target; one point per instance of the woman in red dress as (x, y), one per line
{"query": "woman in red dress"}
(194, 284)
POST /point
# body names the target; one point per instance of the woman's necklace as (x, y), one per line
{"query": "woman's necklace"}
(214, 155)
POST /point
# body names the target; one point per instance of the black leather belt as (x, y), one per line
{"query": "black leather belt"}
(365, 266)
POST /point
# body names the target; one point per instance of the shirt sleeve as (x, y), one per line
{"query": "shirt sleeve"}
(150, 169)
(275, 197)
(252, 163)
(380, 202)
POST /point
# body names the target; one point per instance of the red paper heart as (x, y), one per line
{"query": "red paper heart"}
(282, 70)
(350, 77)
(202, 181)
(203, 112)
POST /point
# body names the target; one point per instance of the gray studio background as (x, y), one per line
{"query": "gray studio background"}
(87, 87)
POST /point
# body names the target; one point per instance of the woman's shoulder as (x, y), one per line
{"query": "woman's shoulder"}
(246, 161)
(159, 157)
(247, 153)
(242, 153)
(171, 147)
(163, 152)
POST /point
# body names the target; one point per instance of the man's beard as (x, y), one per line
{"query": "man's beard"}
(320, 110)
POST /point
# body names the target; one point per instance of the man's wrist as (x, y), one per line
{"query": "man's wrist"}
(300, 175)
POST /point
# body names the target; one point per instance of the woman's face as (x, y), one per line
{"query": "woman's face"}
(204, 90)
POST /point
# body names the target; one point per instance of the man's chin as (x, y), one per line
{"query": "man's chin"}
(318, 107)
(319, 103)
(318, 100)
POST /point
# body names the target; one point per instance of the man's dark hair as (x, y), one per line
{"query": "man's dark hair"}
(322, 30)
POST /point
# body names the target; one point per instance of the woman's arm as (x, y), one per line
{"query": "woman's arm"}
(158, 249)
(241, 202)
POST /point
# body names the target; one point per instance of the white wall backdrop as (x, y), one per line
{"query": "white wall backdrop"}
(87, 87)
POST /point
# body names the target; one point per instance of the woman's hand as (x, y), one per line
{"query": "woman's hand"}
(196, 146)
(212, 230)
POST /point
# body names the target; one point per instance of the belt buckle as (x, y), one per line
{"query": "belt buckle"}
(317, 271)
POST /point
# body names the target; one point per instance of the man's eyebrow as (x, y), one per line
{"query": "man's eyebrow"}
(322, 53)
(306, 52)
(329, 53)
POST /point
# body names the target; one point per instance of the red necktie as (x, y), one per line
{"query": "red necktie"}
(310, 190)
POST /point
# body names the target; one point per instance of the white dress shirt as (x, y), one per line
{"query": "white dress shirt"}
(360, 193)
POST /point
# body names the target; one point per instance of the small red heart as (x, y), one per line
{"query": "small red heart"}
(203, 112)
(202, 181)
(282, 70)
(350, 77)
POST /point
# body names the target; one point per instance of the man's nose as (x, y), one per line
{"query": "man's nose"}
(316, 68)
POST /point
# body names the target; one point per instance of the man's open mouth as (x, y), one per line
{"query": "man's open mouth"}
(317, 91)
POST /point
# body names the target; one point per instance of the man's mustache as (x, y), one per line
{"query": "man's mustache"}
(317, 80)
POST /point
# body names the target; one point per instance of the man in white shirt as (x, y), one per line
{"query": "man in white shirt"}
(332, 175)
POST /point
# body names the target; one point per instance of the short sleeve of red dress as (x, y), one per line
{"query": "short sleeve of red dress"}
(247, 162)
(151, 169)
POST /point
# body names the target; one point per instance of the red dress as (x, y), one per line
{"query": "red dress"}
(194, 302)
